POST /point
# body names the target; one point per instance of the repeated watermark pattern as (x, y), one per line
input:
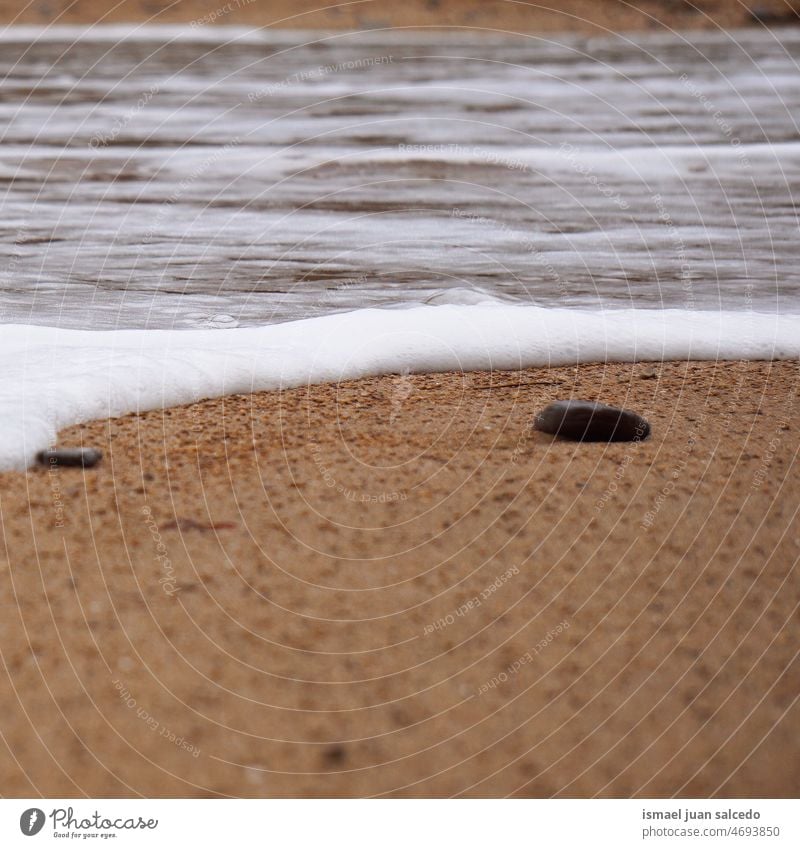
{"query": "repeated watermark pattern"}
(16, 253)
(774, 444)
(317, 73)
(152, 722)
(687, 287)
(472, 603)
(569, 152)
(216, 14)
(524, 659)
(490, 157)
(168, 579)
(621, 470)
(677, 472)
(351, 494)
(331, 295)
(523, 239)
(718, 116)
(522, 445)
(55, 492)
(103, 139)
(402, 389)
(185, 184)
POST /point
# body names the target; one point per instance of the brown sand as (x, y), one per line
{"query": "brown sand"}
(322, 541)
(588, 16)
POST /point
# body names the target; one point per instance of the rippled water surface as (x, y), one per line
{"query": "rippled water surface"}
(223, 178)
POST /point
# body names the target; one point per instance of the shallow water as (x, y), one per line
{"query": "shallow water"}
(153, 178)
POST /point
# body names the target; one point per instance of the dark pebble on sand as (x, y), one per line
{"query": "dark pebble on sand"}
(70, 457)
(587, 421)
(335, 755)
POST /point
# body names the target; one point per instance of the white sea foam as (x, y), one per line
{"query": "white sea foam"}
(53, 377)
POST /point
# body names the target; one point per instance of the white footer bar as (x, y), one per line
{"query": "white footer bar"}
(402, 823)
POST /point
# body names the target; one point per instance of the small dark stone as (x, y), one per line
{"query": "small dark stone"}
(767, 16)
(335, 754)
(587, 421)
(73, 457)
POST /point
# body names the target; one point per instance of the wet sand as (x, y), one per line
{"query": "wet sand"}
(393, 587)
(588, 16)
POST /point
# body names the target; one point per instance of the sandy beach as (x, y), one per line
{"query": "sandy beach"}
(587, 16)
(394, 587)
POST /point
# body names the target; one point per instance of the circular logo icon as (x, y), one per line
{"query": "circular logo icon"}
(31, 821)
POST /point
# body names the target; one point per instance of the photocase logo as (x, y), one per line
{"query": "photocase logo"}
(31, 821)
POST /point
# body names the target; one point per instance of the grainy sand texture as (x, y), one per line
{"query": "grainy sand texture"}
(588, 16)
(394, 587)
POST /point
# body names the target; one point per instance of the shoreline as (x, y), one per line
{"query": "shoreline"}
(392, 586)
(82, 375)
